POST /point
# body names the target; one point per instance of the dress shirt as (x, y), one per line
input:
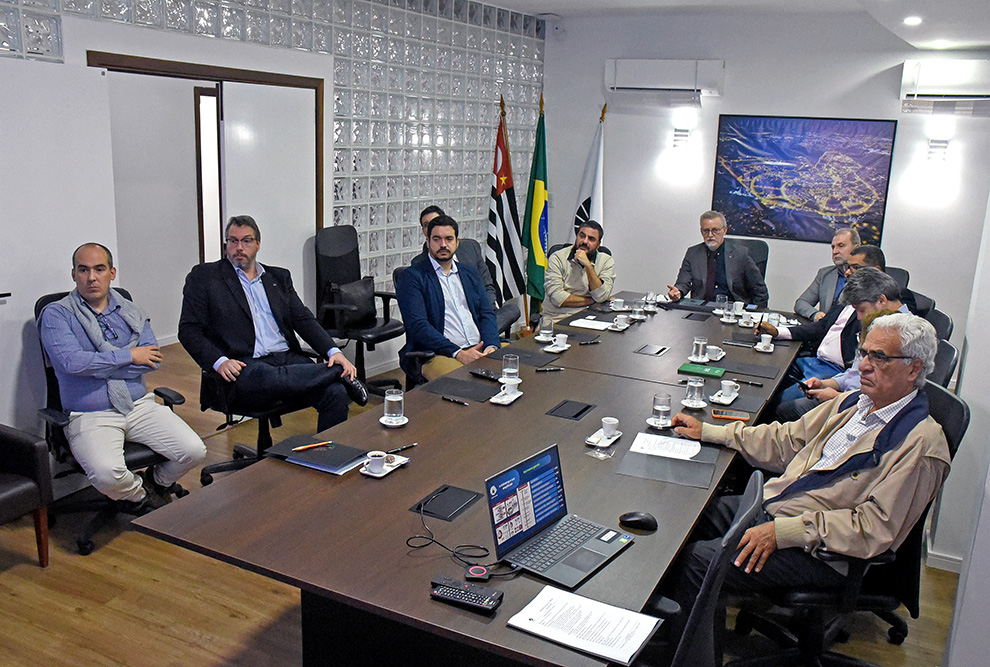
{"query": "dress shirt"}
(268, 339)
(83, 371)
(458, 323)
(721, 277)
(830, 349)
(860, 424)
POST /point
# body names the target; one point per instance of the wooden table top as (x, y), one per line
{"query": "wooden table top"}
(344, 537)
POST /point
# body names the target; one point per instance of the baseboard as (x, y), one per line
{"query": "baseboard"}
(168, 340)
(944, 562)
(380, 368)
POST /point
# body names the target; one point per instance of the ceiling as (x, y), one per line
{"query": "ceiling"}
(946, 24)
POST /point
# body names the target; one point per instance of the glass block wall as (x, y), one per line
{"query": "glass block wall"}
(416, 85)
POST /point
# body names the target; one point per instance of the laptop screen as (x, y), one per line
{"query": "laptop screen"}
(525, 499)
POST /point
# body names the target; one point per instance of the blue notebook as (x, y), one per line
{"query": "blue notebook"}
(334, 457)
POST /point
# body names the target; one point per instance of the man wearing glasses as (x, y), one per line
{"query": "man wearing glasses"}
(856, 473)
(824, 290)
(714, 268)
(241, 319)
(100, 346)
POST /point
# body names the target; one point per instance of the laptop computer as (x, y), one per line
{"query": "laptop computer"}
(532, 529)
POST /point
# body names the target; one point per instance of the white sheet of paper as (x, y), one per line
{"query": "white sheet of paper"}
(664, 445)
(587, 625)
(597, 325)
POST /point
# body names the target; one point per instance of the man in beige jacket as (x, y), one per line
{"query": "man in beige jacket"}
(855, 473)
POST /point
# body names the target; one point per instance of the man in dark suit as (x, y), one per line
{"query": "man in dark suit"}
(469, 252)
(824, 290)
(714, 267)
(444, 306)
(240, 319)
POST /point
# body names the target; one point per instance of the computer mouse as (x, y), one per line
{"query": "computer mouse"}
(638, 521)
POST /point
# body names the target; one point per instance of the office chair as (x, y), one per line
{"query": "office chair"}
(26, 483)
(758, 250)
(900, 275)
(346, 301)
(879, 585)
(941, 322)
(946, 359)
(136, 456)
(923, 305)
(700, 645)
(557, 246)
(215, 394)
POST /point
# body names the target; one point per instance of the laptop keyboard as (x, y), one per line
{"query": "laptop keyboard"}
(563, 538)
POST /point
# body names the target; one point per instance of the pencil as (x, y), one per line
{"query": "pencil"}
(315, 444)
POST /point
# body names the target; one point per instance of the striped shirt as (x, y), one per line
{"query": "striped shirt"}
(862, 422)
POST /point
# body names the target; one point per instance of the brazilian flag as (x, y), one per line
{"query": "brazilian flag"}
(535, 234)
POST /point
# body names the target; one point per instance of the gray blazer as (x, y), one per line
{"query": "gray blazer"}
(820, 291)
(470, 253)
(745, 280)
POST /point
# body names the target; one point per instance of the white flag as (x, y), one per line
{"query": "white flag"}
(590, 200)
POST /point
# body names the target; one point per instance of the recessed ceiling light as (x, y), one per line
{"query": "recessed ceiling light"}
(912, 20)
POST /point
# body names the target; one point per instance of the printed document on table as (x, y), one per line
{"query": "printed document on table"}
(664, 445)
(597, 325)
(587, 625)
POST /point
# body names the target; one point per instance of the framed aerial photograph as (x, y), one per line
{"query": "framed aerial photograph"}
(803, 179)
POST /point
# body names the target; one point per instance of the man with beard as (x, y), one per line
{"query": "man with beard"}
(241, 319)
(579, 275)
(714, 268)
(444, 306)
(815, 301)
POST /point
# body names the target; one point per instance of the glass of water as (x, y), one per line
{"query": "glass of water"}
(694, 395)
(510, 366)
(661, 410)
(721, 302)
(393, 406)
(699, 349)
(639, 309)
(546, 327)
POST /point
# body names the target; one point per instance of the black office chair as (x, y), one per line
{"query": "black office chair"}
(758, 250)
(922, 306)
(700, 644)
(557, 246)
(941, 322)
(346, 301)
(878, 585)
(946, 359)
(215, 394)
(136, 455)
(900, 275)
(26, 483)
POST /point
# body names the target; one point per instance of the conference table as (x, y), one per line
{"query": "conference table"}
(342, 539)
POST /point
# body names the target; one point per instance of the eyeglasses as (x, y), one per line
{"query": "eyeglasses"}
(879, 358)
(108, 332)
(246, 241)
(712, 232)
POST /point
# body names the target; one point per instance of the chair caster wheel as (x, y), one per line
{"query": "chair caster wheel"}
(895, 636)
(85, 547)
(842, 636)
(205, 479)
(238, 455)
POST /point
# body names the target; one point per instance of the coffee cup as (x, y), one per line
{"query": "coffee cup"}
(729, 389)
(766, 340)
(510, 386)
(560, 340)
(376, 462)
(618, 304)
(621, 320)
(738, 307)
(610, 426)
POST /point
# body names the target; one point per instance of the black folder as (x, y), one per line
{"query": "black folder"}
(333, 458)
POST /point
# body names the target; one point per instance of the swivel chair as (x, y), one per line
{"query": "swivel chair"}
(26, 483)
(136, 456)
(758, 250)
(946, 359)
(345, 301)
(902, 276)
(941, 322)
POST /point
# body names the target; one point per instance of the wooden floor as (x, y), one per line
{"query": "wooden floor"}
(139, 601)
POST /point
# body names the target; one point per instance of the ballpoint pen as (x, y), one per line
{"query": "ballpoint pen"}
(549, 369)
(312, 446)
(749, 382)
(589, 342)
(454, 400)
(736, 343)
(402, 448)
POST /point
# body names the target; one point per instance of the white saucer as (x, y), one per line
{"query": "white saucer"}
(651, 309)
(399, 424)
(618, 327)
(765, 350)
(748, 324)
(728, 320)
(718, 311)
(502, 399)
(715, 353)
(692, 406)
(699, 360)
(543, 339)
(389, 467)
(596, 439)
(624, 309)
(640, 318)
(719, 398)
(556, 349)
(655, 423)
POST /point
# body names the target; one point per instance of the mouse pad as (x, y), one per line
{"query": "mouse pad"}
(697, 472)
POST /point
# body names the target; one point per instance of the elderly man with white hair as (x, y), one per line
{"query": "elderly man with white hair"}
(855, 473)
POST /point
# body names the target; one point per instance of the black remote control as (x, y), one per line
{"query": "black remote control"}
(485, 374)
(465, 594)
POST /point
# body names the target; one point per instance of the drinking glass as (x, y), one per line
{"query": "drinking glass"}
(699, 349)
(546, 327)
(721, 303)
(694, 394)
(661, 410)
(639, 309)
(510, 366)
(393, 406)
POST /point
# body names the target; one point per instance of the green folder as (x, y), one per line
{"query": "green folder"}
(703, 371)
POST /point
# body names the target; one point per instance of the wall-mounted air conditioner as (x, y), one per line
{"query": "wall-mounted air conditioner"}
(959, 87)
(633, 83)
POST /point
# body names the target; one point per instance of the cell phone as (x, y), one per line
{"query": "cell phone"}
(804, 387)
(485, 374)
(721, 413)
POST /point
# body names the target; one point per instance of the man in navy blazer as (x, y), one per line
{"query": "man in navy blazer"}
(241, 319)
(444, 306)
(824, 290)
(714, 267)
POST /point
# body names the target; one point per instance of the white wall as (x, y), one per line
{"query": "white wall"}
(57, 193)
(833, 66)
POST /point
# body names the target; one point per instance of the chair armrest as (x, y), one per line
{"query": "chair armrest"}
(857, 568)
(54, 417)
(664, 608)
(387, 298)
(169, 396)
(420, 355)
(27, 454)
